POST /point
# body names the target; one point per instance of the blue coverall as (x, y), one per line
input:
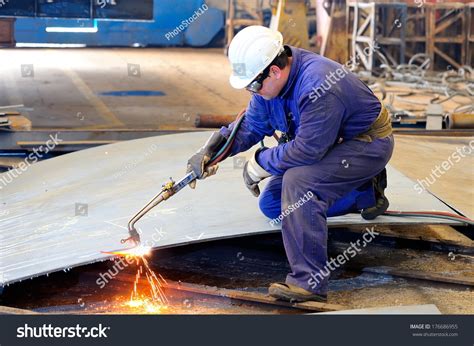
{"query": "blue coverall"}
(325, 105)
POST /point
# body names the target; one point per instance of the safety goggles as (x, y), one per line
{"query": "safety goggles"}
(256, 85)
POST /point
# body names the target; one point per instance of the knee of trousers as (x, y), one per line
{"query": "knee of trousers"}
(269, 204)
(297, 182)
(301, 183)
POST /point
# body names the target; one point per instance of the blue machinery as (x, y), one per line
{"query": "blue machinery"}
(174, 23)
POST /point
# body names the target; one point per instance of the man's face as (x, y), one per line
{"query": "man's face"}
(274, 83)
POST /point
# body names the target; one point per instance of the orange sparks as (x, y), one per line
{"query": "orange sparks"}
(154, 300)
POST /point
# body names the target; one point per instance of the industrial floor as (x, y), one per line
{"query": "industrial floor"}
(62, 88)
(417, 156)
(65, 89)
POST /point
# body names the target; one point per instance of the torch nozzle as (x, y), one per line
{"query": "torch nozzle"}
(134, 236)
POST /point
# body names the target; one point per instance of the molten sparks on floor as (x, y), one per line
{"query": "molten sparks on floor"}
(152, 299)
(155, 300)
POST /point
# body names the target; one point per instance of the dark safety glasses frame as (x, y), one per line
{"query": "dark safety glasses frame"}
(257, 84)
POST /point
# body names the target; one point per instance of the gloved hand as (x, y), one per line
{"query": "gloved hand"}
(199, 160)
(254, 173)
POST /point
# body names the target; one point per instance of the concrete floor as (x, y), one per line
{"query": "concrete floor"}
(61, 88)
(417, 156)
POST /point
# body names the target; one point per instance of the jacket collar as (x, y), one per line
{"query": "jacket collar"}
(295, 65)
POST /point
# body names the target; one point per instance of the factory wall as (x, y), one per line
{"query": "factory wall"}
(189, 23)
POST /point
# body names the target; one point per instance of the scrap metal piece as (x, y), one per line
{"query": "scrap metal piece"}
(434, 116)
(460, 121)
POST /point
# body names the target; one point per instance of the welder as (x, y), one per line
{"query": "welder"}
(335, 141)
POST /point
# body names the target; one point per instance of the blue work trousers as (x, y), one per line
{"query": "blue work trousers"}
(305, 196)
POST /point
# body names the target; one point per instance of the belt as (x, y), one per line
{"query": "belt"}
(380, 128)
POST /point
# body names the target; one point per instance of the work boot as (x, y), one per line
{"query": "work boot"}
(294, 293)
(381, 202)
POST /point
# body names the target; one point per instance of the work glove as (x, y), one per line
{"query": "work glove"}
(254, 174)
(198, 161)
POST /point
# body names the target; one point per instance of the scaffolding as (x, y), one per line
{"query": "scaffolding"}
(376, 33)
(470, 35)
(446, 35)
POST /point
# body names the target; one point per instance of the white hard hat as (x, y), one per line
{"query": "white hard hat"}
(251, 51)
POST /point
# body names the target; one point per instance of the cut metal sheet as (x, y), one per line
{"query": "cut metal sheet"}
(63, 212)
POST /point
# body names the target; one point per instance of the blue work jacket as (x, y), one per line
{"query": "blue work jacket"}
(324, 102)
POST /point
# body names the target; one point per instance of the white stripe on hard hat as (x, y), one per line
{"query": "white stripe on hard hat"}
(251, 51)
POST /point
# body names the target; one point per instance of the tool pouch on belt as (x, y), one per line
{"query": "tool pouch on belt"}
(380, 128)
